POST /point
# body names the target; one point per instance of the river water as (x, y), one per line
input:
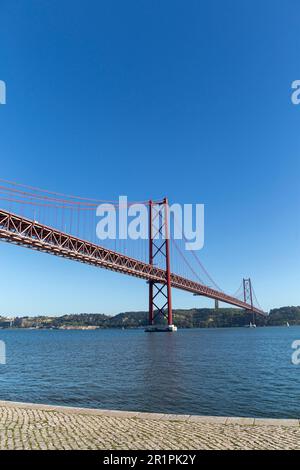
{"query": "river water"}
(226, 372)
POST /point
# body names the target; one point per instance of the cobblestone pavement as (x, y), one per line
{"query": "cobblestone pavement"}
(27, 426)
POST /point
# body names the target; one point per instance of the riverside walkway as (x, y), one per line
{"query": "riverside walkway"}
(32, 426)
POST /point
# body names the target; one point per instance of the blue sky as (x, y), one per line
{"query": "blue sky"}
(101, 94)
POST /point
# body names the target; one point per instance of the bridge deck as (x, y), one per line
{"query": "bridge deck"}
(31, 234)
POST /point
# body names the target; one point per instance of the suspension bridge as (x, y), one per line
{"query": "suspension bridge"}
(65, 226)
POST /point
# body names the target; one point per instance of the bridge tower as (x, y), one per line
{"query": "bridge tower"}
(248, 296)
(160, 298)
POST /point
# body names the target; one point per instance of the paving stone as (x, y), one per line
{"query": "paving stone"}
(152, 416)
(122, 414)
(173, 417)
(241, 421)
(23, 426)
(209, 419)
(276, 422)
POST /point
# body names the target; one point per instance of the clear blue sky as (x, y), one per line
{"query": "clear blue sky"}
(99, 94)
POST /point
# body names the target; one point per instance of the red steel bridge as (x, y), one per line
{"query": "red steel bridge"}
(65, 226)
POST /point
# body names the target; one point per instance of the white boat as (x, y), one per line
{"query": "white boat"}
(287, 324)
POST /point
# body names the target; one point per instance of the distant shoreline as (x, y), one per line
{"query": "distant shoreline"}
(135, 328)
(192, 318)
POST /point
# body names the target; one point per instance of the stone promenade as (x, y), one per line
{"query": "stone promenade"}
(30, 426)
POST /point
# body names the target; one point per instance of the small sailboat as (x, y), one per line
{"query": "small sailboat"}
(287, 324)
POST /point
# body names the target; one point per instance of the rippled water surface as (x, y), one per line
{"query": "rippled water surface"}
(232, 371)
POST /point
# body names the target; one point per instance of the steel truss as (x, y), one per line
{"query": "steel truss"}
(29, 233)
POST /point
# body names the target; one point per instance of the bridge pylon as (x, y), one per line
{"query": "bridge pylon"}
(248, 295)
(160, 297)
